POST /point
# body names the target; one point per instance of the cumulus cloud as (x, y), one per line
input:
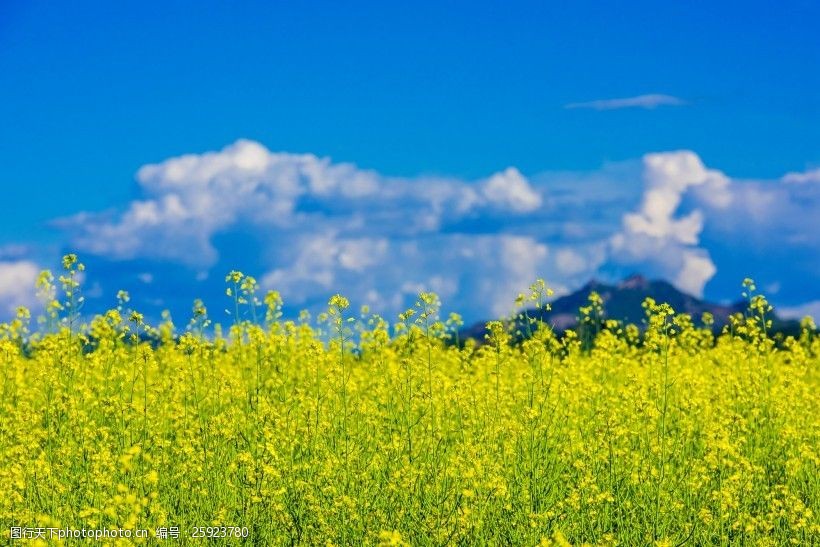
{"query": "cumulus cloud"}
(320, 261)
(483, 273)
(770, 215)
(510, 190)
(669, 175)
(657, 235)
(191, 198)
(694, 222)
(809, 309)
(309, 226)
(695, 271)
(807, 177)
(17, 280)
(570, 262)
(649, 101)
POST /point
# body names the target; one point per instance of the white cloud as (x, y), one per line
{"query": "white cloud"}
(13, 251)
(810, 309)
(657, 236)
(769, 215)
(319, 227)
(697, 269)
(649, 101)
(570, 262)
(17, 280)
(688, 268)
(189, 199)
(807, 177)
(318, 261)
(483, 273)
(667, 177)
(688, 210)
(520, 262)
(510, 190)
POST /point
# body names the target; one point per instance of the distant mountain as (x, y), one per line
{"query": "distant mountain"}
(623, 302)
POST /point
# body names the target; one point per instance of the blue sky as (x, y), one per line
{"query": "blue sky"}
(621, 124)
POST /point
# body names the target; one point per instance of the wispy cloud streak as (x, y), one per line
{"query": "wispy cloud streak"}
(641, 101)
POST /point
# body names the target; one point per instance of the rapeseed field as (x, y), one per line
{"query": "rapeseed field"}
(345, 429)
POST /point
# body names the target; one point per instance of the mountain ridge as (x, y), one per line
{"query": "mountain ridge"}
(622, 301)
